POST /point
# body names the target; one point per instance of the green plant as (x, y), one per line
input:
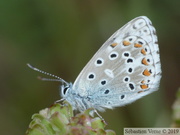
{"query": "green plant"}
(60, 120)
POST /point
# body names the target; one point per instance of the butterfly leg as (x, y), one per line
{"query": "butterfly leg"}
(95, 111)
(58, 101)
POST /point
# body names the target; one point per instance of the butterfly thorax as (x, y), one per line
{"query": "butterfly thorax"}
(77, 101)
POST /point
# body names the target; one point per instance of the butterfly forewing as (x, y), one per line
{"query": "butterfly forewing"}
(124, 69)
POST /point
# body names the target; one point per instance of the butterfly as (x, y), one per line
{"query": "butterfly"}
(126, 68)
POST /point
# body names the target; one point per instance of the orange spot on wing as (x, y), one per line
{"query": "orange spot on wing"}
(143, 81)
(144, 86)
(144, 61)
(137, 45)
(143, 51)
(126, 43)
(146, 72)
(114, 44)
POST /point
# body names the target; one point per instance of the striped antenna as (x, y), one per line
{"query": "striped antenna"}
(46, 73)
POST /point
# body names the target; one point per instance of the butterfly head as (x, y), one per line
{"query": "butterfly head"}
(65, 90)
(68, 94)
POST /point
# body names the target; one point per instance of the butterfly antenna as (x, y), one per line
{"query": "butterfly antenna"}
(46, 73)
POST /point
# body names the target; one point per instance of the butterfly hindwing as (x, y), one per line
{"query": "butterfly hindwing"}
(124, 69)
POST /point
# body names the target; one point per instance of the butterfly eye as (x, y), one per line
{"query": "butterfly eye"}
(65, 90)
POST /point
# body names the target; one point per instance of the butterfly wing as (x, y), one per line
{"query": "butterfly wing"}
(124, 69)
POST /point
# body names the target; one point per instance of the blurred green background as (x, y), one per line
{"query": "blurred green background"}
(60, 36)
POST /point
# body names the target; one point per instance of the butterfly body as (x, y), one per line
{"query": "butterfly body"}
(126, 68)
